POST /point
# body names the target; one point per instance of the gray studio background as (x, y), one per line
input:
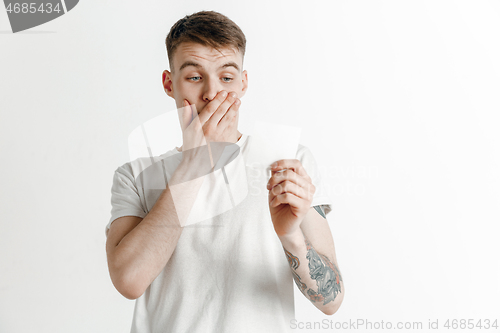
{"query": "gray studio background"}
(398, 101)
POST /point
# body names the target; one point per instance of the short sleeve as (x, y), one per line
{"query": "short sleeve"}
(305, 156)
(125, 198)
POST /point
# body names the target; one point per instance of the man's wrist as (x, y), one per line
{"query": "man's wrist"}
(292, 240)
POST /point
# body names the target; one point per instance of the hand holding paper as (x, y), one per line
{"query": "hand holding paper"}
(290, 195)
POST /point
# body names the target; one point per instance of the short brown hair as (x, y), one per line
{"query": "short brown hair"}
(208, 28)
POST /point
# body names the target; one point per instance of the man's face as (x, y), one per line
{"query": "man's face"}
(200, 72)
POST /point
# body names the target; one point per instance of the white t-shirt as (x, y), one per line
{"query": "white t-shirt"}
(228, 273)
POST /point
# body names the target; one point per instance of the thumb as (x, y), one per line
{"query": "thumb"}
(186, 116)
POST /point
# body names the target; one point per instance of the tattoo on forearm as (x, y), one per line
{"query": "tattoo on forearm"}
(321, 269)
(292, 260)
(325, 273)
(295, 263)
(320, 210)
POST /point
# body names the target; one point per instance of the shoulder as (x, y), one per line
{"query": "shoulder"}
(137, 166)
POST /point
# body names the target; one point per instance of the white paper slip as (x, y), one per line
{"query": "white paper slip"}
(272, 142)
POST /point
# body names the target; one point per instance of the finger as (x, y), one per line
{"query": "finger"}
(293, 164)
(286, 198)
(183, 114)
(222, 110)
(290, 175)
(212, 106)
(228, 121)
(186, 115)
(290, 187)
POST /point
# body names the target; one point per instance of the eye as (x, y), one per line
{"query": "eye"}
(229, 79)
(194, 78)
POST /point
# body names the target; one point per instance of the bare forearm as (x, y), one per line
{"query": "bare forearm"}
(316, 276)
(143, 253)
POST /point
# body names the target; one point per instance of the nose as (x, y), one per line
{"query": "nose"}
(211, 89)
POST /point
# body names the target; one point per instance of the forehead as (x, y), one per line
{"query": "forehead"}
(205, 55)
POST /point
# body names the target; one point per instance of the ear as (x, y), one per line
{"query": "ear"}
(166, 80)
(244, 81)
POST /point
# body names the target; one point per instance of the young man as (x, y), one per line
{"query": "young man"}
(233, 272)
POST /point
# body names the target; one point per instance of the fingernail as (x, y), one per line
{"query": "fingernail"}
(224, 93)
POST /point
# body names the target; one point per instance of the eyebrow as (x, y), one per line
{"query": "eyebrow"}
(194, 64)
